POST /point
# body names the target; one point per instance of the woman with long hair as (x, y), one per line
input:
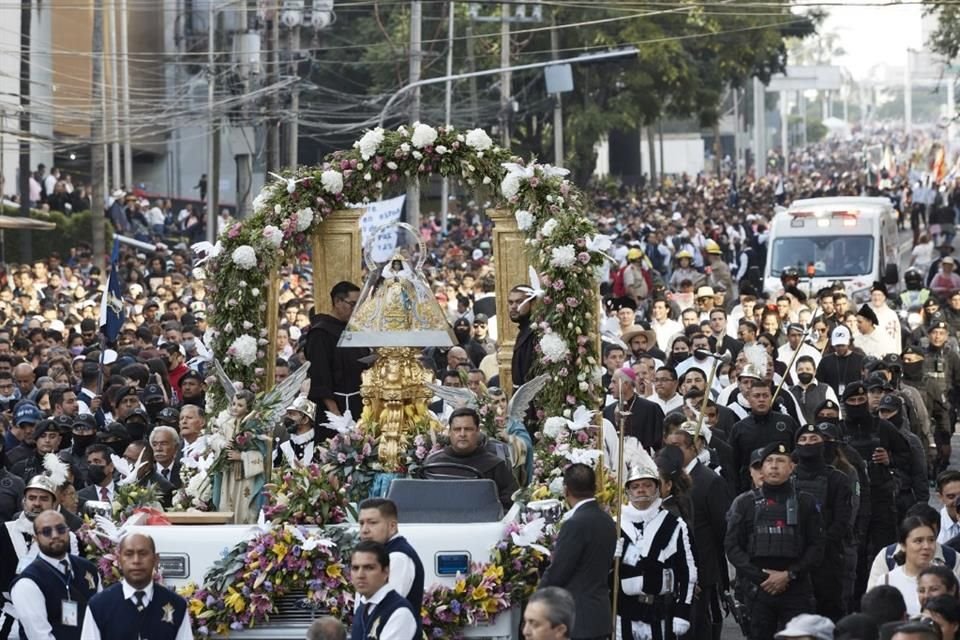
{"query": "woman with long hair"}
(936, 580)
(675, 484)
(918, 543)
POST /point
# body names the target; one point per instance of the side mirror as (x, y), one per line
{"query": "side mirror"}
(891, 275)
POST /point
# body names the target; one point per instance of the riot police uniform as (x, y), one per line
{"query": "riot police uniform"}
(832, 491)
(941, 372)
(774, 528)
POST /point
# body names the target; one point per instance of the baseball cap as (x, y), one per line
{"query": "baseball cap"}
(191, 374)
(84, 421)
(807, 625)
(27, 413)
(45, 426)
(891, 402)
(152, 392)
(168, 416)
(480, 318)
(855, 388)
(877, 381)
(840, 336)
(756, 457)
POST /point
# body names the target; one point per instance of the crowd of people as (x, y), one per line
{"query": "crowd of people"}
(803, 460)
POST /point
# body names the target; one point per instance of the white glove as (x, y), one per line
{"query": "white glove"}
(618, 551)
(680, 626)
(641, 630)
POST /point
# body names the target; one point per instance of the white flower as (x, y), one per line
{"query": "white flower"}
(487, 180)
(525, 219)
(260, 202)
(247, 325)
(368, 176)
(370, 142)
(244, 350)
(277, 209)
(440, 149)
(273, 236)
(553, 348)
(479, 140)
(563, 257)
(245, 257)
(556, 486)
(553, 427)
(510, 185)
(392, 165)
(402, 130)
(405, 147)
(582, 456)
(423, 136)
(417, 155)
(332, 181)
(304, 219)
(255, 292)
(228, 328)
(548, 227)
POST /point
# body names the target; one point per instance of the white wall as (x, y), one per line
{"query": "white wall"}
(684, 154)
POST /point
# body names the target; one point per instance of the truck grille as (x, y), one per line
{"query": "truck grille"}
(294, 609)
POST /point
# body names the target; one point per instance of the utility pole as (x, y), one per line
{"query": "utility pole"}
(447, 109)
(652, 151)
(273, 78)
(125, 97)
(908, 98)
(558, 99)
(213, 171)
(98, 183)
(505, 76)
(294, 129)
(759, 129)
(26, 15)
(416, 61)
(472, 66)
(114, 100)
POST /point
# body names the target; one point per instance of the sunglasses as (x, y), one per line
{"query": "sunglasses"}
(47, 532)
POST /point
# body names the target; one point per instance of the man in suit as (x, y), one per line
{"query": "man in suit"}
(101, 473)
(711, 497)
(583, 555)
(165, 442)
(644, 419)
(380, 611)
(147, 475)
(137, 607)
(38, 592)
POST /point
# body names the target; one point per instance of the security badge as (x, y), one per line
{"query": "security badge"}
(167, 613)
(91, 581)
(68, 613)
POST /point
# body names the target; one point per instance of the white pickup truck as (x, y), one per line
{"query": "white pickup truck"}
(451, 524)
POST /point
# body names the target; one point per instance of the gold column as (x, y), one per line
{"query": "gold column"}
(272, 322)
(511, 267)
(337, 255)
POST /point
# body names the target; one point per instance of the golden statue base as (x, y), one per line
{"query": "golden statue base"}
(395, 403)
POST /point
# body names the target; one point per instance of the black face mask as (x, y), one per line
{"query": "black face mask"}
(80, 443)
(136, 429)
(830, 420)
(829, 450)
(805, 377)
(680, 357)
(290, 425)
(463, 335)
(810, 452)
(154, 408)
(896, 420)
(913, 371)
(857, 413)
(118, 446)
(96, 473)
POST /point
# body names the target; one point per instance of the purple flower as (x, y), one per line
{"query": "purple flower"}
(583, 257)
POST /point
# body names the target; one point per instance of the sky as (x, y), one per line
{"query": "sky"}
(872, 34)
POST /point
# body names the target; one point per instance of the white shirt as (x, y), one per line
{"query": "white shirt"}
(888, 330)
(948, 528)
(111, 491)
(673, 403)
(91, 632)
(399, 626)
(569, 514)
(291, 460)
(30, 603)
(785, 355)
(665, 331)
(402, 572)
(873, 343)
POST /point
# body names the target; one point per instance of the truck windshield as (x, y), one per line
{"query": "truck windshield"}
(832, 256)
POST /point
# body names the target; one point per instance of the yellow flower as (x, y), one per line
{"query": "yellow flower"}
(187, 590)
(542, 492)
(196, 606)
(460, 586)
(334, 570)
(280, 550)
(479, 593)
(234, 600)
(494, 571)
(490, 606)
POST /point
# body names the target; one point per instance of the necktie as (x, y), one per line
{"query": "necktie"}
(139, 595)
(104, 494)
(65, 565)
(166, 474)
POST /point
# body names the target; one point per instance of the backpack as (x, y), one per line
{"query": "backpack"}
(949, 556)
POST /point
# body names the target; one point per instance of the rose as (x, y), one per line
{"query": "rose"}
(478, 140)
(244, 257)
(440, 149)
(553, 427)
(261, 201)
(273, 236)
(332, 181)
(423, 135)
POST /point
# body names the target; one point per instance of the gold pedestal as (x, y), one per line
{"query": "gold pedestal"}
(395, 403)
(337, 255)
(511, 267)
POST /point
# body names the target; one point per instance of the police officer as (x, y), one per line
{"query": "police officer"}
(774, 538)
(883, 450)
(761, 427)
(941, 370)
(913, 485)
(833, 494)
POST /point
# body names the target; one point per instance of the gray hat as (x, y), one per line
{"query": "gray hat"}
(807, 625)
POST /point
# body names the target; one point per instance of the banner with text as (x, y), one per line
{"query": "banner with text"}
(378, 214)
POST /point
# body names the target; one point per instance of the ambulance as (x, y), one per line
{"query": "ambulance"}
(852, 240)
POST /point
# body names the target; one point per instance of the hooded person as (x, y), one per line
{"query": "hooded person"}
(834, 497)
(913, 485)
(463, 330)
(657, 567)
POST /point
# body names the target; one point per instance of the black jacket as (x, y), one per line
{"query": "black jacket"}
(580, 563)
(523, 354)
(754, 432)
(645, 422)
(333, 369)
(11, 494)
(711, 500)
(838, 372)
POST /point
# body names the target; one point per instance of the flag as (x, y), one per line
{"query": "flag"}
(940, 165)
(111, 306)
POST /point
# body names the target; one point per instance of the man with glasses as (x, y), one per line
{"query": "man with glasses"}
(665, 390)
(334, 371)
(51, 594)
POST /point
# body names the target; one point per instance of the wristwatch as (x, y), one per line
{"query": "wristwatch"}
(792, 575)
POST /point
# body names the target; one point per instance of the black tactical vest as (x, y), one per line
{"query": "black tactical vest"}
(776, 532)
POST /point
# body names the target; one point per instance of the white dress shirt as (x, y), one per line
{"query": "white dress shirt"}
(30, 603)
(91, 632)
(948, 528)
(402, 572)
(400, 626)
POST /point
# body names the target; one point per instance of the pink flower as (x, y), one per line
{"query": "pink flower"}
(234, 231)
(573, 303)
(558, 284)
(583, 257)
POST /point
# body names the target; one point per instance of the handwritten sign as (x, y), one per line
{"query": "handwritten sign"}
(378, 214)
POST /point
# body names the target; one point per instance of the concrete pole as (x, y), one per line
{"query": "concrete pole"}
(214, 140)
(447, 112)
(558, 100)
(98, 168)
(759, 129)
(784, 130)
(125, 97)
(111, 15)
(416, 61)
(293, 132)
(505, 76)
(907, 96)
